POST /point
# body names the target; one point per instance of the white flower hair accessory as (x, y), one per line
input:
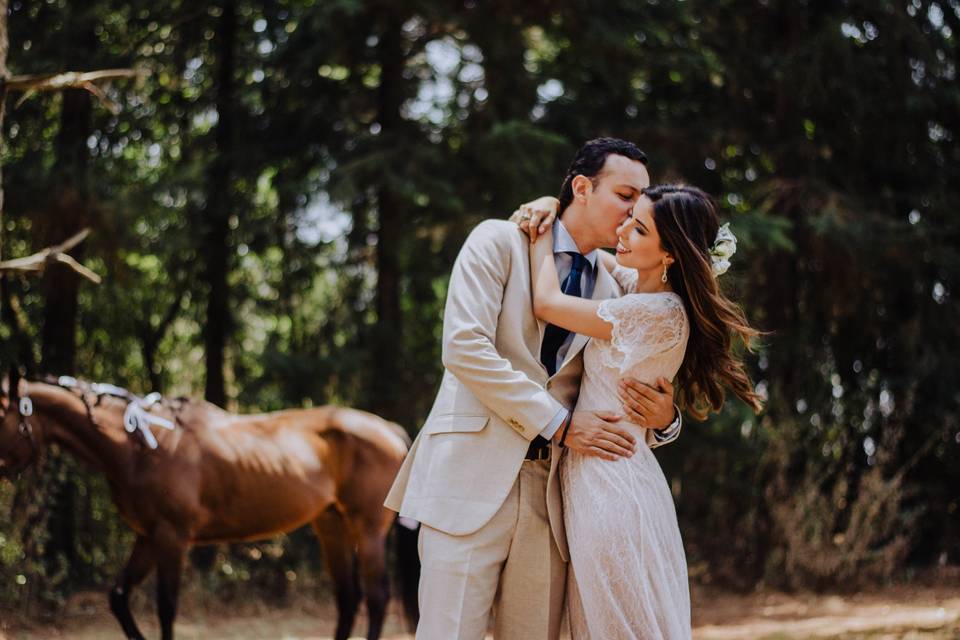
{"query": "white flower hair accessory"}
(722, 250)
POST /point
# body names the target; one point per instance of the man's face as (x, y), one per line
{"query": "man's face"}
(617, 190)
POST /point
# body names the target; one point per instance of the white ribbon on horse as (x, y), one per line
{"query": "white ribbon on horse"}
(136, 418)
(109, 389)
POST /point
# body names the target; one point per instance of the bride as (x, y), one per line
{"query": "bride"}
(628, 576)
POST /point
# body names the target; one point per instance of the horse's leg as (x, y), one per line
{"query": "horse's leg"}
(338, 553)
(137, 568)
(171, 553)
(372, 553)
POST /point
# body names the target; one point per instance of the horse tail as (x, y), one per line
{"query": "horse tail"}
(407, 568)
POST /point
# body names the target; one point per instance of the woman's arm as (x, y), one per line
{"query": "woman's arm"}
(536, 216)
(626, 278)
(608, 260)
(551, 305)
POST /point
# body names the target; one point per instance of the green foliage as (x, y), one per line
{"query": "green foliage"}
(369, 135)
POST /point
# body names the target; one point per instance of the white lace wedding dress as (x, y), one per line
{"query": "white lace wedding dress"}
(628, 571)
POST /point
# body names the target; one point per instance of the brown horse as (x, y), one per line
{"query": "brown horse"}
(212, 476)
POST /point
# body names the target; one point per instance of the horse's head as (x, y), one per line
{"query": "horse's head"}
(19, 444)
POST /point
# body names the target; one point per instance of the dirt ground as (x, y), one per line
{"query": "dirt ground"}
(927, 613)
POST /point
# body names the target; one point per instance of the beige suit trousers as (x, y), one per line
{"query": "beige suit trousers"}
(507, 561)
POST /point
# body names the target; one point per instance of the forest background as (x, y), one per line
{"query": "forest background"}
(276, 204)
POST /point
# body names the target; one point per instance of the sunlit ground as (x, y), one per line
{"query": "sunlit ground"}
(928, 613)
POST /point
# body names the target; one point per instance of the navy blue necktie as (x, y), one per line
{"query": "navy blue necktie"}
(554, 336)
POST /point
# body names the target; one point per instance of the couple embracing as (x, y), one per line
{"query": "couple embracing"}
(533, 476)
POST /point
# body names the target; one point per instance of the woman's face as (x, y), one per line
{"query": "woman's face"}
(639, 243)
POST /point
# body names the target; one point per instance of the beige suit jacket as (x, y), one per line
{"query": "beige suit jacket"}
(495, 395)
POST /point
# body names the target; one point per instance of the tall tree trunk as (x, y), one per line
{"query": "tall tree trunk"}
(6, 310)
(66, 214)
(4, 74)
(18, 350)
(219, 205)
(512, 90)
(388, 334)
(150, 337)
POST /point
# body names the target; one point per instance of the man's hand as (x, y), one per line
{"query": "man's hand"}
(598, 434)
(650, 407)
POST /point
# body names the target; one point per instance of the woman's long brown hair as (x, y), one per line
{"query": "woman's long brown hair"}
(686, 220)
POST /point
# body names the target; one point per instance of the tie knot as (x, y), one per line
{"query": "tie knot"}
(579, 262)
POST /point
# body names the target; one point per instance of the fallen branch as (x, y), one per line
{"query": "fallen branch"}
(31, 84)
(39, 261)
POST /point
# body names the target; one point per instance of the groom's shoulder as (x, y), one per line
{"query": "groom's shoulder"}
(494, 234)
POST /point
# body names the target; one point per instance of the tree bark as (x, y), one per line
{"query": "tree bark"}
(7, 315)
(388, 334)
(66, 216)
(4, 74)
(150, 338)
(512, 91)
(219, 204)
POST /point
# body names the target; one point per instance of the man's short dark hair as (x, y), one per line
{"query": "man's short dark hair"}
(589, 162)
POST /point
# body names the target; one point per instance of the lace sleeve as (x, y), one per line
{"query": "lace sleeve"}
(644, 326)
(626, 278)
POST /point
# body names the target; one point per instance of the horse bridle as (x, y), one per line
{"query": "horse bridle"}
(24, 428)
(25, 406)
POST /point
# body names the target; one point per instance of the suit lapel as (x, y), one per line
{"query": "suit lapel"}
(542, 327)
(604, 288)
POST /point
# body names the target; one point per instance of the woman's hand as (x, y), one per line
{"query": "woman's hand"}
(535, 217)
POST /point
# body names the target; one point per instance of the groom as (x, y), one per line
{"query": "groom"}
(481, 476)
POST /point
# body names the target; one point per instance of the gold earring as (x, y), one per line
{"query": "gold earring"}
(663, 278)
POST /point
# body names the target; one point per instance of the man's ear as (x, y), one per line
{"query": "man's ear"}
(582, 186)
